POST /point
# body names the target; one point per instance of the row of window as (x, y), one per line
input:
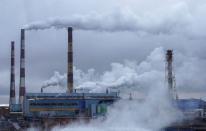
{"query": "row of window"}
(53, 104)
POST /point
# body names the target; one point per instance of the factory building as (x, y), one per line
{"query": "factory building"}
(53, 105)
(74, 105)
(45, 107)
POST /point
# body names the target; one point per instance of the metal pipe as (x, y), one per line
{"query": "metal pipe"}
(12, 98)
(70, 62)
(22, 69)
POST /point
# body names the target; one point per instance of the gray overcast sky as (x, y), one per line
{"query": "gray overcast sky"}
(183, 21)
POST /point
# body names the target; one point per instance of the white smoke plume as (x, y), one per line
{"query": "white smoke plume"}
(175, 19)
(145, 75)
(56, 80)
(139, 76)
(152, 114)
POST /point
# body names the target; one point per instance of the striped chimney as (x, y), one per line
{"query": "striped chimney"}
(169, 58)
(22, 68)
(170, 78)
(70, 62)
(12, 98)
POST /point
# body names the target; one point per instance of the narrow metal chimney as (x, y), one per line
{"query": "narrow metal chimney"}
(70, 62)
(22, 69)
(170, 76)
(169, 58)
(12, 98)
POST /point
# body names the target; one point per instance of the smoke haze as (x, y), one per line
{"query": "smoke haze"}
(138, 27)
(177, 19)
(121, 76)
(151, 115)
(137, 76)
(132, 35)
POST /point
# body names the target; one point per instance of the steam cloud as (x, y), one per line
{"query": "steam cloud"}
(121, 77)
(151, 114)
(138, 76)
(56, 80)
(177, 19)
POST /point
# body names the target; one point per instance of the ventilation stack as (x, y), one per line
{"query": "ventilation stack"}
(70, 62)
(170, 76)
(22, 69)
(12, 98)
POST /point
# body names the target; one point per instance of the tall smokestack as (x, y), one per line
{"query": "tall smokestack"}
(12, 98)
(22, 68)
(170, 76)
(70, 62)
(169, 58)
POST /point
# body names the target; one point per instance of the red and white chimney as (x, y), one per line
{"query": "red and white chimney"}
(70, 62)
(22, 69)
(12, 98)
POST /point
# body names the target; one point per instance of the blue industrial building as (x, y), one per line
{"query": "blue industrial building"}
(74, 105)
(190, 104)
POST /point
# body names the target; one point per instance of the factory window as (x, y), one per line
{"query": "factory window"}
(53, 104)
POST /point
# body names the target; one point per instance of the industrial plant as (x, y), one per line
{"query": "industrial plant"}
(48, 109)
(45, 110)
